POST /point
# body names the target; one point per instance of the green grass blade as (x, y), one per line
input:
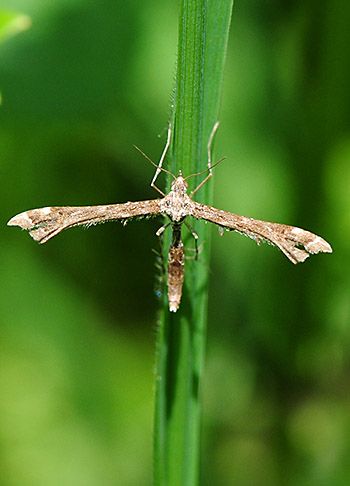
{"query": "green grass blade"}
(203, 34)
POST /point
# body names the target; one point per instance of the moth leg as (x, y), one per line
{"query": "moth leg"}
(160, 266)
(195, 236)
(159, 233)
(210, 141)
(161, 160)
(197, 252)
(162, 228)
(160, 259)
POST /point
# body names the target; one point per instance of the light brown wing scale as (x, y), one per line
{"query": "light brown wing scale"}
(287, 238)
(45, 223)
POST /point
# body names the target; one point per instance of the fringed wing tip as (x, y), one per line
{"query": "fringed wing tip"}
(310, 246)
(22, 220)
(317, 245)
(33, 222)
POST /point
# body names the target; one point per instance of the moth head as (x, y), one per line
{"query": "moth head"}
(179, 185)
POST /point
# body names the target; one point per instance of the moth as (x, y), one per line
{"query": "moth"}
(296, 243)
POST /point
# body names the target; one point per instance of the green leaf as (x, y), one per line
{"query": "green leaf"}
(203, 35)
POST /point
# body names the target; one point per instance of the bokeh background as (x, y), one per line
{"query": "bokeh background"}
(78, 315)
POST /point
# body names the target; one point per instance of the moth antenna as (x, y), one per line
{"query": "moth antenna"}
(153, 163)
(206, 170)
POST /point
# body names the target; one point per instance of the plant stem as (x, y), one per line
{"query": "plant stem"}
(203, 34)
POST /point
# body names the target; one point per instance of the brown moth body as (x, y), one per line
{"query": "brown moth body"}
(176, 270)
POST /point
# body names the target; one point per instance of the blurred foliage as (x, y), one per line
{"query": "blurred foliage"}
(11, 23)
(78, 314)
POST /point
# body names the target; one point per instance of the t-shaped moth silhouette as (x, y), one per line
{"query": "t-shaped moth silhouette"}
(297, 244)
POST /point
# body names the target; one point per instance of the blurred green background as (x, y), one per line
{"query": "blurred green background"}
(78, 315)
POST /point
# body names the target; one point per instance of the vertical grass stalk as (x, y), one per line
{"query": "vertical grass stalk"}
(203, 33)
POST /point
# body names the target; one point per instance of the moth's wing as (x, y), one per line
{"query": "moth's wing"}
(44, 223)
(295, 243)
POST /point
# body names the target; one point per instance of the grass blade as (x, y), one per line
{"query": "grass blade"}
(203, 34)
